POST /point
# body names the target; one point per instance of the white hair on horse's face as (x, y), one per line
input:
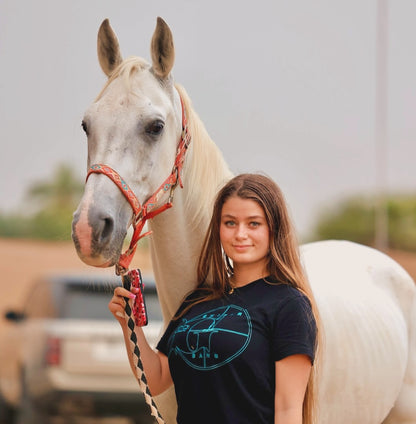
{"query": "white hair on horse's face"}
(133, 126)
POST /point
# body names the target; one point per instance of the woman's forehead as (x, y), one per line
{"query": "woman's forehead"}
(239, 207)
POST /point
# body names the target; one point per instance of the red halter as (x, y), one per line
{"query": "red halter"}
(141, 213)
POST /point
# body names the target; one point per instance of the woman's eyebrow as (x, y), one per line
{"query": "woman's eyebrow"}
(227, 215)
(247, 217)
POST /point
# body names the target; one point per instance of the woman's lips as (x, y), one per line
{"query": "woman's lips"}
(241, 247)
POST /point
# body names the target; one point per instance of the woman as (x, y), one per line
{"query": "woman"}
(240, 348)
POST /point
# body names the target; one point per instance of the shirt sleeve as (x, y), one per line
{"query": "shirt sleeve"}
(162, 346)
(294, 329)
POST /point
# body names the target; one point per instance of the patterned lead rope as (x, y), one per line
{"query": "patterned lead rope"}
(141, 378)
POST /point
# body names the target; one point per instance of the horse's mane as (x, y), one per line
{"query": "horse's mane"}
(206, 171)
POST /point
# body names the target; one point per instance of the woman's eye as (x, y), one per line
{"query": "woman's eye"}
(155, 127)
(84, 127)
(254, 224)
(229, 223)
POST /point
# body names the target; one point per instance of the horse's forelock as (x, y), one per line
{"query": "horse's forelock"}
(126, 70)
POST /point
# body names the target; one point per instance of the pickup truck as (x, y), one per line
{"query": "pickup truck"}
(63, 354)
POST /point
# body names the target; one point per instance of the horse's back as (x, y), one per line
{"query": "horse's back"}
(366, 301)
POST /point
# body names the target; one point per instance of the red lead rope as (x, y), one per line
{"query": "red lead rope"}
(141, 213)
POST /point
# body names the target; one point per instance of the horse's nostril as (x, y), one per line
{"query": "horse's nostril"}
(107, 228)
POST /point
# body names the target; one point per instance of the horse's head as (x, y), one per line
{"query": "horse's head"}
(133, 127)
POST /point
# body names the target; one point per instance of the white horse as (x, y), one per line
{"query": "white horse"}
(366, 300)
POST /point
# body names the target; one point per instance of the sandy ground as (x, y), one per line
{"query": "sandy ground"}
(407, 260)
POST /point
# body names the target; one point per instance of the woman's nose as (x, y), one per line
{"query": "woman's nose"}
(241, 232)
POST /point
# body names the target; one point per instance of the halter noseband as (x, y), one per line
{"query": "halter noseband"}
(141, 213)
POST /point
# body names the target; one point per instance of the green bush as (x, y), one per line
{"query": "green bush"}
(46, 225)
(354, 219)
(53, 203)
(402, 223)
(14, 226)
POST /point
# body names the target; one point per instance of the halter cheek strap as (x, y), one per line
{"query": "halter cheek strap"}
(141, 213)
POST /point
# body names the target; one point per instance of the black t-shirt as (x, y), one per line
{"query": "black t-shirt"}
(222, 352)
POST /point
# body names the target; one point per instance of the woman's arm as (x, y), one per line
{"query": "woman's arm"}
(292, 376)
(155, 363)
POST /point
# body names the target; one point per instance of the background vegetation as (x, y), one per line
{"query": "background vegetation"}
(354, 219)
(49, 206)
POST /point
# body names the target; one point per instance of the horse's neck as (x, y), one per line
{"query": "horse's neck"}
(178, 233)
(174, 252)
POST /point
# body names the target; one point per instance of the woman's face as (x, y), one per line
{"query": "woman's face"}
(244, 233)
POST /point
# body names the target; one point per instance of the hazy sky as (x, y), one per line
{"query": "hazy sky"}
(283, 87)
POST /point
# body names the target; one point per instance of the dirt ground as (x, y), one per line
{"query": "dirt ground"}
(23, 261)
(407, 260)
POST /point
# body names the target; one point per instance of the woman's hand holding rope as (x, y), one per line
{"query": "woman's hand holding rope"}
(155, 363)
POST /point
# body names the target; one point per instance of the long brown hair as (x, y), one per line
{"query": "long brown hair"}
(215, 270)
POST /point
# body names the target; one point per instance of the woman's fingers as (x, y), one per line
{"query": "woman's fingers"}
(118, 301)
(122, 292)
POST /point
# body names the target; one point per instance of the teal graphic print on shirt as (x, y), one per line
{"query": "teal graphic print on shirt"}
(212, 339)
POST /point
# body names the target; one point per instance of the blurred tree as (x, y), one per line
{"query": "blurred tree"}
(12, 225)
(353, 219)
(402, 223)
(54, 202)
(63, 192)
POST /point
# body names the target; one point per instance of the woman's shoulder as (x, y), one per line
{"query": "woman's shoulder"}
(196, 294)
(285, 293)
(282, 287)
(192, 297)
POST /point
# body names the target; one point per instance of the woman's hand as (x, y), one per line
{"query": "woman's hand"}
(155, 363)
(118, 303)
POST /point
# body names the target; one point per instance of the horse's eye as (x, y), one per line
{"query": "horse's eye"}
(155, 127)
(84, 127)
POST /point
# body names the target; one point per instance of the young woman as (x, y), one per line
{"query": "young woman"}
(241, 347)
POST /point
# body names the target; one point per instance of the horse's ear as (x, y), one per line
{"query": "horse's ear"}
(108, 48)
(162, 49)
